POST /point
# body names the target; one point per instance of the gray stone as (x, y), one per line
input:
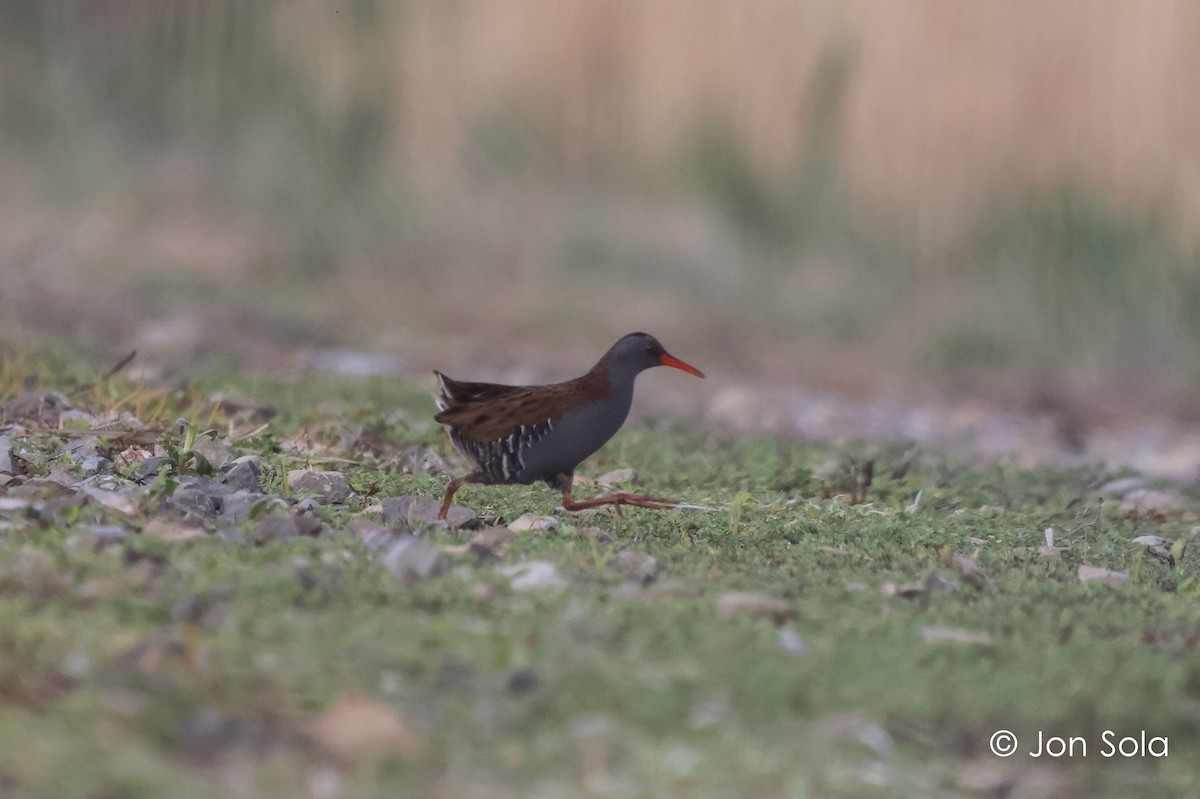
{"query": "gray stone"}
(8, 460)
(407, 511)
(308, 505)
(88, 454)
(242, 407)
(411, 559)
(46, 408)
(534, 522)
(285, 528)
(231, 534)
(372, 534)
(243, 475)
(791, 641)
(1150, 500)
(127, 502)
(61, 475)
(94, 464)
(732, 604)
(332, 487)
(15, 506)
(640, 567)
(1124, 485)
(488, 541)
(522, 681)
(206, 485)
(214, 450)
(196, 502)
(238, 506)
(84, 418)
(107, 534)
(1099, 574)
(532, 575)
(148, 467)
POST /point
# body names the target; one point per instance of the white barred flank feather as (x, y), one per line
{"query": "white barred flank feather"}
(501, 460)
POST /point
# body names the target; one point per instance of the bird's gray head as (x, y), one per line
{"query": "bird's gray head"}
(637, 352)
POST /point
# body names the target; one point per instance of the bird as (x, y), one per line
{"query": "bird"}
(522, 434)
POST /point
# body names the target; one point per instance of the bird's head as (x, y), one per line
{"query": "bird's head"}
(637, 352)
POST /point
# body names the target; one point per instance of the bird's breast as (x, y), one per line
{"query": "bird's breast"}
(573, 437)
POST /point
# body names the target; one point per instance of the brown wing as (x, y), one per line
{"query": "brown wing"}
(460, 392)
(490, 411)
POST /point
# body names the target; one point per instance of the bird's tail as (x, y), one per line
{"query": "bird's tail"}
(443, 396)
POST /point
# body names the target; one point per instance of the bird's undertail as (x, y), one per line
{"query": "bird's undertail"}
(443, 396)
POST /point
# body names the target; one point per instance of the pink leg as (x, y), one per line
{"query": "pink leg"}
(450, 490)
(636, 500)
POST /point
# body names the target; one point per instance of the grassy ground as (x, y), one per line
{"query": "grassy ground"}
(209, 666)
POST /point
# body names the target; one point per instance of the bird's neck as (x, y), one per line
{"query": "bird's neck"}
(607, 378)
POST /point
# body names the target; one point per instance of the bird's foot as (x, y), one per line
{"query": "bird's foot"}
(636, 500)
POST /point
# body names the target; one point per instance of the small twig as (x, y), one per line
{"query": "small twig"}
(862, 473)
(906, 462)
(121, 364)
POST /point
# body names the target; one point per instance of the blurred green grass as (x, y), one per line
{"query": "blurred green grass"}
(249, 164)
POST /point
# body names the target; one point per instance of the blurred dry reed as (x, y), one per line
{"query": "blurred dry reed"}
(970, 188)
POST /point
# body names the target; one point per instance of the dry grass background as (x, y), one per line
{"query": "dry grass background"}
(947, 102)
(995, 194)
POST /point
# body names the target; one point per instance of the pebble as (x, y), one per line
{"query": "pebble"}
(732, 604)
(173, 532)
(61, 474)
(122, 501)
(231, 534)
(206, 485)
(372, 534)
(250, 410)
(522, 681)
(406, 511)
(44, 407)
(214, 450)
(640, 567)
(1089, 574)
(195, 502)
(1124, 485)
(411, 559)
(533, 575)
(285, 528)
(238, 506)
(243, 475)
(14, 506)
(107, 534)
(88, 454)
(1150, 499)
(488, 541)
(791, 641)
(532, 521)
(932, 634)
(332, 487)
(8, 461)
